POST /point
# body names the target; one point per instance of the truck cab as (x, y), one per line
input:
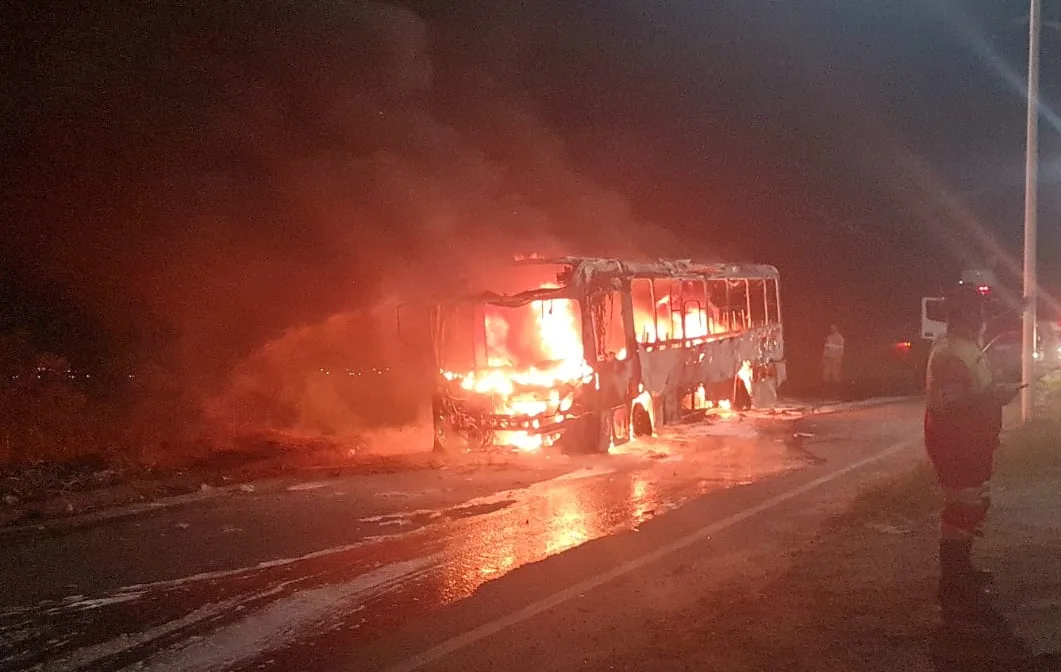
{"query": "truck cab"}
(1002, 332)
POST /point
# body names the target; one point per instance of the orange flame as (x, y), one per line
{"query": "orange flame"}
(533, 353)
(665, 325)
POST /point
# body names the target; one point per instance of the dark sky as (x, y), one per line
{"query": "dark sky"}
(202, 175)
(864, 146)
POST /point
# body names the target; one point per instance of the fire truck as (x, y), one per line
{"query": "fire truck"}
(592, 352)
(1002, 322)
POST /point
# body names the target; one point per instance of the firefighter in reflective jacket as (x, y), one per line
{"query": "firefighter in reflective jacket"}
(963, 420)
(833, 356)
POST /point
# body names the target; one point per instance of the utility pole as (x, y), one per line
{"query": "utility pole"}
(1031, 179)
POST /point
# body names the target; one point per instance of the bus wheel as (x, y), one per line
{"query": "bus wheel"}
(592, 434)
(641, 421)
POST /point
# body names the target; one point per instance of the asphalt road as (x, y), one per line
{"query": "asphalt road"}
(490, 567)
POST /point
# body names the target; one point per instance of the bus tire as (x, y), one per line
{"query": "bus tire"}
(641, 421)
(591, 435)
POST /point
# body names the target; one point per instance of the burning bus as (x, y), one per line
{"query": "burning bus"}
(601, 351)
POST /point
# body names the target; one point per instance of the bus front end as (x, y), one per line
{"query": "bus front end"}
(512, 372)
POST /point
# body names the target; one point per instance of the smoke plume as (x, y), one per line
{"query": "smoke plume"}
(244, 192)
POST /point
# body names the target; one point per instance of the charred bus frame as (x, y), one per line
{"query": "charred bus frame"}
(652, 371)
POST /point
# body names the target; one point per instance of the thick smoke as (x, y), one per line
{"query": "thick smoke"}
(244, 193)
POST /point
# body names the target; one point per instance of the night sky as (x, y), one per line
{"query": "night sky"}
(192, 178)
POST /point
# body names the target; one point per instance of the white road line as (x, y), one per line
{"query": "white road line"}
(486, 630)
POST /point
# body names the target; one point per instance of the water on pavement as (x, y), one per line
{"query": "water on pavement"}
(409, 562)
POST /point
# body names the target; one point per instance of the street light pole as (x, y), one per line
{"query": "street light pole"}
(1031, 179)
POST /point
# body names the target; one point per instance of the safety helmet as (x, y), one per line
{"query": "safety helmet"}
(964, 305)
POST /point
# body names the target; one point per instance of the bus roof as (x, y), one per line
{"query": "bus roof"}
(586, 271)
(587, 267)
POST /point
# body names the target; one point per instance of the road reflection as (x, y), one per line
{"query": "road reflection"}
(568, 521)
(464, 549)
(644, 500)
(564, 514)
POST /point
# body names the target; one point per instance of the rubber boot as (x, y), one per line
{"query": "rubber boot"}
(960, 597)
(980, 577)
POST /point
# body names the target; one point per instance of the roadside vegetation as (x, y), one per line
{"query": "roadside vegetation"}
(67, 429)
(49, 412)
(61, 431)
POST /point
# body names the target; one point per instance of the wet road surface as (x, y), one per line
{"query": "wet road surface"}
(363, 573)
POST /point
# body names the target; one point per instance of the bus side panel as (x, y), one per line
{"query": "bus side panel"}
(668, 373)
(719, 361)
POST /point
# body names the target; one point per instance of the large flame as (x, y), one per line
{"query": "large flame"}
(667, 325)
(535, 357)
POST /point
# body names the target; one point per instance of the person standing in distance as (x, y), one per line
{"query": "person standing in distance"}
(833, 359)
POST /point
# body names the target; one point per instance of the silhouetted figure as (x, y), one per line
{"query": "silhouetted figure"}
(833, 360)
(742, 387)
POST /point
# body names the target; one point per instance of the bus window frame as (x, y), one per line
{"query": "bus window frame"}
(775, 317)
(652, 302)
(736, 319)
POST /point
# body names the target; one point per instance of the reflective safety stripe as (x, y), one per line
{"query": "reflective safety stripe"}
(834, 345)
(967, 495)
(964, 511)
